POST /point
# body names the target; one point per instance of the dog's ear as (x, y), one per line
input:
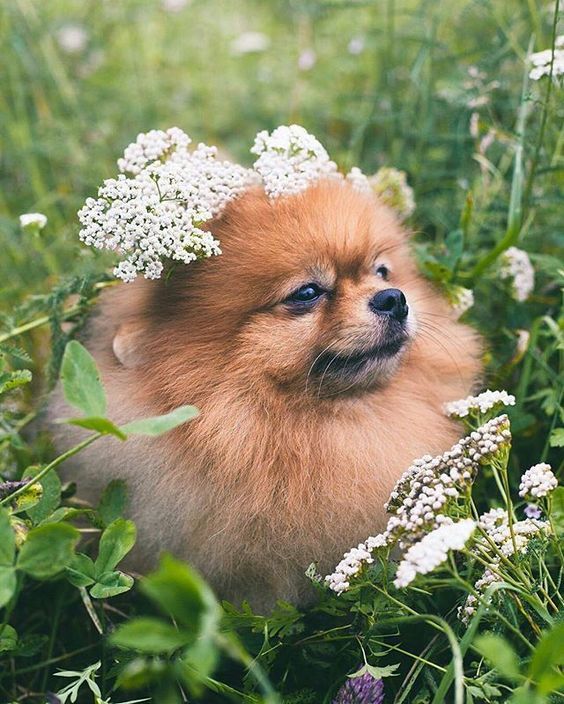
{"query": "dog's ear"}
(128, 345)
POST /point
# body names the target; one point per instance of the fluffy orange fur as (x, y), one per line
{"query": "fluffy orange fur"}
(288, 463)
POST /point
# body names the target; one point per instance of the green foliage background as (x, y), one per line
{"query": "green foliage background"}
(406, 100)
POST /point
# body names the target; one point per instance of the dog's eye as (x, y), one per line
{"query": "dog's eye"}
(305, 295)
(383, 272)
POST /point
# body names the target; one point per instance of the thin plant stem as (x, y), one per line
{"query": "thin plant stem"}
(544, 117)
(55, 463)
(470, 589)
(514, 218)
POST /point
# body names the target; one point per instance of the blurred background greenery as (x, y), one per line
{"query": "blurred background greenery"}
(392, 82)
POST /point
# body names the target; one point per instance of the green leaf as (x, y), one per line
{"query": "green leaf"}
(112, 502)
(7, 540)
(454, 243)
(181, 592)
(12, 380)
(199, 662)
(161, 424)
(29, 498)
(8, 583)
(81, 571)
(525, 695)
(149, 635)
(81, 381)
(116, 541)
(64, 513)
(557, 509)
(8, 638)
(142, 672)
(499, 653)
(17, 353)
(377, 672)
(557, 437)
(47, 550)
(548, 654)
(100, 425)
(51, 485)
(110, 584)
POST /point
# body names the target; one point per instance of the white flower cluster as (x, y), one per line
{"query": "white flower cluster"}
(155, 212)
(352, 563)
(152, 146)
(432, 550)
(466, 611)
(359, 181)
(495, 524)
(542, 59)
(290, 160)
(537, 482)
(482, 403)
(495, 527)
(461, 300)
(33, 221)
(517, 266)
(391, 186)
(423, 494)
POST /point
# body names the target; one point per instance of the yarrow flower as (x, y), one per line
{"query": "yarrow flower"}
(482, 403)
(494, 525)
(33, 221)
(537, 482)
(391, 186)
(358, 180)
(468, 609)
(352, 563)
(361, 690)
(461, 299)
(432, 550)
(155, 212)
(516, 265)
(542, 60)
(421, 498)
(290, 159)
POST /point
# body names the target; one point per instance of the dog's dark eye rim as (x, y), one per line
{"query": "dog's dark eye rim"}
(305, 295)
(382, 271)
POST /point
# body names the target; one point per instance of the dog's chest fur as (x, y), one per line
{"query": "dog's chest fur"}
(252, 492)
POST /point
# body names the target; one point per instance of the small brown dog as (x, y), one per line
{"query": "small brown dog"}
(320, 361)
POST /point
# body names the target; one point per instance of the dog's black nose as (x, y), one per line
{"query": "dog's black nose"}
(390, 302)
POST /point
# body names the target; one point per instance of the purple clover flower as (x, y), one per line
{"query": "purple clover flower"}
(361, 690)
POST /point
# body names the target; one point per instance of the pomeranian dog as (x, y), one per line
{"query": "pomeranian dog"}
(320, 361)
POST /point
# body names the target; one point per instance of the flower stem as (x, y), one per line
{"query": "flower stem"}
(55, 463)
(544, 118)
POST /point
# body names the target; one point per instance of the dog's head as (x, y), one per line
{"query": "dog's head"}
(314, 293)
